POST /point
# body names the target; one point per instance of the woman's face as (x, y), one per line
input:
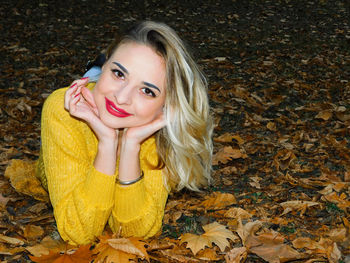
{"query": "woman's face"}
(131, 88)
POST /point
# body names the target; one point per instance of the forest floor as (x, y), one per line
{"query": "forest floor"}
(278, 74)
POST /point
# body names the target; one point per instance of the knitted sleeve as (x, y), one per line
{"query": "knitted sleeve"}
(139, 208)
(81, 196)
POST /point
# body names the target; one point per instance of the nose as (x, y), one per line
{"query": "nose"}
(123, 94)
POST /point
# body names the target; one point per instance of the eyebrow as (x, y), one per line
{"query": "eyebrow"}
(151, 86)
(121, 67)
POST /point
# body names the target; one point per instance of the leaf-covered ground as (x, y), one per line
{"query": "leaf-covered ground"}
(278, 74)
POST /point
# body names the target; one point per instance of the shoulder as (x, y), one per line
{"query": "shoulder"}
(54, 104)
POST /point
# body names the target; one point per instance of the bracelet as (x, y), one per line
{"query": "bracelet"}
(132, 181)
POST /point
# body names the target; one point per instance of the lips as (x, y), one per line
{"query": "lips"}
(115, 111)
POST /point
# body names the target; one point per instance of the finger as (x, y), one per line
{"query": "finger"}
(88, 97)
(74, 98)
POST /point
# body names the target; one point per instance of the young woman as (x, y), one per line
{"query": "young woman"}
(112, 150)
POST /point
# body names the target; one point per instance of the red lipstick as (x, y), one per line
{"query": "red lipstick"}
(115, 111)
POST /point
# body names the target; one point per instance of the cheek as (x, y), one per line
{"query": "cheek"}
(150, 112)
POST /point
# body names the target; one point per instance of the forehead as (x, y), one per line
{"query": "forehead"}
(136, 53)
(141, 61)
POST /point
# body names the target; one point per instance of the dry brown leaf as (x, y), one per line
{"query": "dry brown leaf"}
(244, 231)
(208, 254)
(32, 232)
(237, 212)
(283, 159)
(256, 182)
(130, 245)
(219, 200)
(83, 254)
(4, 250)
(341, 201)
(337, 234)
(11, 240)
(271, 126)
(46, 245)
(236, 255)
(225, 154)
(325, 246)
(119, 249)
(227, 137)
(324, 115)
(22, 177)
(296, 205)
(214, 233)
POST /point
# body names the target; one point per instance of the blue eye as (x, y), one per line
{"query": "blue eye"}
(148, 92)
(118, 73)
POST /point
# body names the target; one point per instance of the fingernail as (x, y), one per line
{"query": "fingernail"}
(76, 95)
(73, 85)
(85, 78)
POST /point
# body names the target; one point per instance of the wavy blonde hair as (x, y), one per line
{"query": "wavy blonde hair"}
(184, 145)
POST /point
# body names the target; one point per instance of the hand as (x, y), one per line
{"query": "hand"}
(80, 103)
(136, 135)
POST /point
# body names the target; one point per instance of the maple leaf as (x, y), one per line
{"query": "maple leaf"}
(81, 255)
(119, 249)
(214, 233)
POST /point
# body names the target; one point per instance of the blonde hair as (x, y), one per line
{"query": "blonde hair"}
(184, 145)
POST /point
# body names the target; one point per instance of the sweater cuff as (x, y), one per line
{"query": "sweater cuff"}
(129, 201)
(100, 187)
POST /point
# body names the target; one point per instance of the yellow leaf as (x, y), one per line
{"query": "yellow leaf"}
(22, 177)
(219, 200)
(214, 233)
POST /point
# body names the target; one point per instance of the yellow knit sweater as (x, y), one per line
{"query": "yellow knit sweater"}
(84, 199)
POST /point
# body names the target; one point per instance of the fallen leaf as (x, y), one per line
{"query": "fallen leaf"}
(48, 245)
(324, 115)
(236, 255)
(119, 249)
(214, 233)
(228, 137)
(208, 255)
(271, 126)
(82, 254)
(22, 177)
(4, 250)
(226, 154)
(219, 200)
(10, 240)
(238, 213)
(32, 232)
(296, 205)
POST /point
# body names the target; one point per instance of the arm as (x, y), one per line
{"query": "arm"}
(81, 195)
(139, 208)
